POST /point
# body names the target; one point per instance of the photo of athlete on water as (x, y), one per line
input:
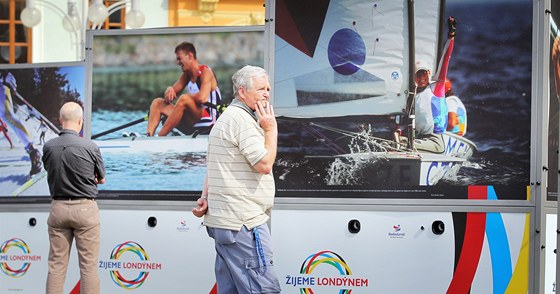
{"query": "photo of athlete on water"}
(347, 127)
(554, 102)
(155, 97)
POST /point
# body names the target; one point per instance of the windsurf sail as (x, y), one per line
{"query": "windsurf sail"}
(349, 58)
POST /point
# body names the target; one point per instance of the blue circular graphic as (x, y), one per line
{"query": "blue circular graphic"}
(347, 51)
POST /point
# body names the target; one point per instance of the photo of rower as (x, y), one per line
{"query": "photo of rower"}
(155, 97)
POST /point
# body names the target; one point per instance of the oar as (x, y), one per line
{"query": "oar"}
(145, 118)
(220, 109)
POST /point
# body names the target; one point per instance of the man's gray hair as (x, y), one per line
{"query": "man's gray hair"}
(243, 78)
(71, 111)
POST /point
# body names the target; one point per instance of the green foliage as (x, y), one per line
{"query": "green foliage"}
(46, 89)
(134, 89)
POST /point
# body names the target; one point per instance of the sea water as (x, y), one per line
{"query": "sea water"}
(154, 171)
(145, 171)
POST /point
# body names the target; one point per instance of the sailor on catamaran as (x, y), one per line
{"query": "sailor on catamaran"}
(457, 112)
(198, 107)
(430, 103)
(8, 116)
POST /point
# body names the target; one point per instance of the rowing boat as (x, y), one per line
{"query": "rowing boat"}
(175, 144)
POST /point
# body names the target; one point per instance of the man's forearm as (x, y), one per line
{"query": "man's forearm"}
(264, 166)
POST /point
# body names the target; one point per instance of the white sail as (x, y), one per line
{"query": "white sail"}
(360, 63)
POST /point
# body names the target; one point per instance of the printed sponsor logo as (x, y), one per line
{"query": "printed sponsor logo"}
(16, 258)
(396, 232)
(182, 227)
(125, 269)
(317, 273)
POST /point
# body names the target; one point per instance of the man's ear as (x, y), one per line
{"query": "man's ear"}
(241, 92)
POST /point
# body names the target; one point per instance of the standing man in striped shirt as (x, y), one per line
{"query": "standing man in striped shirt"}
(238, 194)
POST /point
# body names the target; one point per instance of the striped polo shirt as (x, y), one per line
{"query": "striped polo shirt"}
(237, 193)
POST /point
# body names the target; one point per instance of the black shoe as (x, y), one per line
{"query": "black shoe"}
(36, 163)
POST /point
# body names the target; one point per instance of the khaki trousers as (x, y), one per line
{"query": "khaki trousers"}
(68, 220)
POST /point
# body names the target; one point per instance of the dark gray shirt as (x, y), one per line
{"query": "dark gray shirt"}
(72, 163)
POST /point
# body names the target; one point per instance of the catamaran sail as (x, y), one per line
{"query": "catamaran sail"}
(356, 64)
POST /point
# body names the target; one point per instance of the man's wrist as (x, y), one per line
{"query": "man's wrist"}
(204, 196)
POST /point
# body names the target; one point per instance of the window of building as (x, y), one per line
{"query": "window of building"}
(15, 39)
(115, 20)
(216, 12)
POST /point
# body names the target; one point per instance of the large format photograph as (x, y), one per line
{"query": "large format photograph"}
(554, 106)
(365, 112)
(147, 86)
(30, 99)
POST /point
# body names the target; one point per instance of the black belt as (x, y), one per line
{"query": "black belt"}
(69, 198)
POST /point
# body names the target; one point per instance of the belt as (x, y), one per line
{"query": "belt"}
(70, 199)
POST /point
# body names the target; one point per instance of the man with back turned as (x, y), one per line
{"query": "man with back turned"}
(75, 167)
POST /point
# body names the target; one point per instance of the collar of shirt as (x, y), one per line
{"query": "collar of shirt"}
(68, 131)
(238, 103)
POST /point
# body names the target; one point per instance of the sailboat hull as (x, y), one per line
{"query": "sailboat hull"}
(396, 168)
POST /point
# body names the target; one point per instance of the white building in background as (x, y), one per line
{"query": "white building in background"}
(53, 43)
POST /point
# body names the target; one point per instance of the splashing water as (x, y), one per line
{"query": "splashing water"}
(355, 169)
(364, 162)
(365, 142)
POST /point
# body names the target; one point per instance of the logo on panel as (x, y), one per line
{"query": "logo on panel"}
(326, 270)
(16, 258)
(129, 265)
